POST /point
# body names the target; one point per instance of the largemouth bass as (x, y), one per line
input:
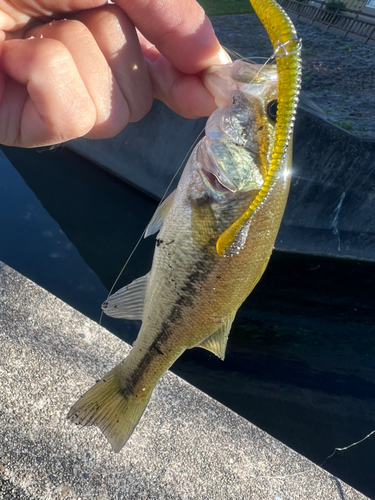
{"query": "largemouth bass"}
(216, 232)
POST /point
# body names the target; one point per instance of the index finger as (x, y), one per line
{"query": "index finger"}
(179, 29)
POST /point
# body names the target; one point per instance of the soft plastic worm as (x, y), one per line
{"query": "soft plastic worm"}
(287, 50)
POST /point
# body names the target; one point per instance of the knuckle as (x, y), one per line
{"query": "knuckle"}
(72, 27)
(111, 11)
(50, 53)
(106, 17)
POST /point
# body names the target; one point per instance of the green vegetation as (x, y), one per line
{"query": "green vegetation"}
(306, 79)
(346, 125)
(335, 5)
(221, 7)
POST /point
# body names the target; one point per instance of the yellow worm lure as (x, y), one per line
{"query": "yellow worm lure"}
(287, 51)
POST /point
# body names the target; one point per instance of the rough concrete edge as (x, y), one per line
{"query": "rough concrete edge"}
(281, 471)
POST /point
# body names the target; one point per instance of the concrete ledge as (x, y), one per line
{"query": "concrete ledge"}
(187, 446)
(330, 209)
(157, 144)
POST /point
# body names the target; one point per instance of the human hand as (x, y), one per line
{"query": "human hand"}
(92, 73)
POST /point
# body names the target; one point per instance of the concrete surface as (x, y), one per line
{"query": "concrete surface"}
(157, 144)
(330, 209)
(187, 446)
(147, 154)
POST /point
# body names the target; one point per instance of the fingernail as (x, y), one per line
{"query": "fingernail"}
(223, 56)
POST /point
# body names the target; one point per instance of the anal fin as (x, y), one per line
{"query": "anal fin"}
(217, 341)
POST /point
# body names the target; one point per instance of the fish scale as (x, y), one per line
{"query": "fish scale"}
(212, 248)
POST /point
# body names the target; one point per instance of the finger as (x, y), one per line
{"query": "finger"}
(179, 29)
(12, 18)
(45, 100)
(184, 94)
(188, 97)
(16, 14)
(118, 41)
(112, 112)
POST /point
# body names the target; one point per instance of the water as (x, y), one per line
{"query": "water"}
(300, 362)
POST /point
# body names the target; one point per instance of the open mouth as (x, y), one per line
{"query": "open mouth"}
(213, 182)
(212, 175)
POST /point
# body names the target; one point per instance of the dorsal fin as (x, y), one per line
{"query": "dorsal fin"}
(217, 341)
(158, 218)
(127, 303)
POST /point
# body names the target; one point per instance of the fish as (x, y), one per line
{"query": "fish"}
(215, 232)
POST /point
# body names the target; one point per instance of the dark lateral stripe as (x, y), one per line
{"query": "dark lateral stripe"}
(186, 298)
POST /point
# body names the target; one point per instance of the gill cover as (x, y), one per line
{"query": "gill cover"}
(287, 51)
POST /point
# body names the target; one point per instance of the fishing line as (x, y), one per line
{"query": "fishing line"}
(273, 56)
(282, 47)
(312, 469)
(267, 61)
(196, 140)
(347, 447)
(237, 57)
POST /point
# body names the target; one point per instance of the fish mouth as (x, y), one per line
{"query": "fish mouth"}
(213, 182)
(212, 175)
(253, 79)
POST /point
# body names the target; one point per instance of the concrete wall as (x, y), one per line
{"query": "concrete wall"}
(331, 209)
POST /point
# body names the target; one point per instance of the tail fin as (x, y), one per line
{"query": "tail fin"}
(108, 406)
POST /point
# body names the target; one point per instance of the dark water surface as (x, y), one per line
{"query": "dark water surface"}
(300, 362)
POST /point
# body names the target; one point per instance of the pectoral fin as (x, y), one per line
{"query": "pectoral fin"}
(158, 218)
(203, 226)
(217, 342)
(127, 303)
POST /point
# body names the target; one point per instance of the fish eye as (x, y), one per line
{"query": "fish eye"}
(272, 110)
